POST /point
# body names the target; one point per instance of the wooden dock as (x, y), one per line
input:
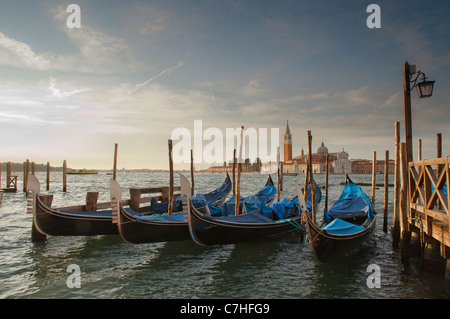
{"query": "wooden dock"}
(421, 212)
(428, 213)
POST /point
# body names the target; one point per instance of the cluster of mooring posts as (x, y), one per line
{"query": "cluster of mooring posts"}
(11, 180)
(29, 167)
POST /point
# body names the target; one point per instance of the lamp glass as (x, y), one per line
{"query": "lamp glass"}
(425, 88)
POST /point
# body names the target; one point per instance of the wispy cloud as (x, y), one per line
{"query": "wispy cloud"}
(56, 93)
(24, 119)
(13, 52)
(44, 103)
(211, 91)
(166, 71)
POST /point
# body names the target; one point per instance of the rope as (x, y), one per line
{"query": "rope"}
(293, 223)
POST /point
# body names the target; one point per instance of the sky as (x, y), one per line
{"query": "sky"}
(136, 71)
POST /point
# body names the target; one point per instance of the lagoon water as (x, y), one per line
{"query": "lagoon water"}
(110, 268)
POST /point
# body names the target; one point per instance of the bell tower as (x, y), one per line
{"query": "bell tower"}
(287, 144)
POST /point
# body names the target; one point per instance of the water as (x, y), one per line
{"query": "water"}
(111, 268)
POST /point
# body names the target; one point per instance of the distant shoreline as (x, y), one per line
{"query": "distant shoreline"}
(17, 168)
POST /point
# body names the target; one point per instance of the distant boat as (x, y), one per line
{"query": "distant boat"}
(82, 171)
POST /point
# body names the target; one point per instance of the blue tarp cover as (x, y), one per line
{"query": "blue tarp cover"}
(252, 202)
(279, 208)
(218, 193)
(341, 227)
(198, 200)
(266, 193)
(353, 201)
(160, 208)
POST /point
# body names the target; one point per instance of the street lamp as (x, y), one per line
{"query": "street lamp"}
(424, 89)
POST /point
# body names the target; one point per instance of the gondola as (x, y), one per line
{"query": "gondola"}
(137, 229)
(61, 222)
(347, 226)
(263, 223)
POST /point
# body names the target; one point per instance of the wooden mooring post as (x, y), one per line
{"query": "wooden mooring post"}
(239, 170)
(26, 169)
(234, 172)
(65, 176)
(48, 176)
(11, 181)
(278, 175)
(386, 189)
(326, 182)
(192, 173)
(374, 176)
(404, 224)
(116, 146)
(396, 222)
(170, 179)
(311, 178)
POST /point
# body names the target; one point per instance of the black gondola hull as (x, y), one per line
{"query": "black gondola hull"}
(53, 222)
(328, 247)
(139, 232)
(210, 231)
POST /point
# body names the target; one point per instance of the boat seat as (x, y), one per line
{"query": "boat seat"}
(348, 215)
(367, 223)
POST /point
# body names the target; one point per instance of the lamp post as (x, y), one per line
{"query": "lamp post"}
(424, 89)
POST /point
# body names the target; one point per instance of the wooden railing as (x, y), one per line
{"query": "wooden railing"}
(159, 193)
(428, 201)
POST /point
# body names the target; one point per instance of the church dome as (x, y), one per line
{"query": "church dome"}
(343, 154)
(322, 149)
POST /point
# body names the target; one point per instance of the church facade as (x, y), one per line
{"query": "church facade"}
(337, 162)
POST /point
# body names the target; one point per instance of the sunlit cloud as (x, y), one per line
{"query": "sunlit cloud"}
(16, 53)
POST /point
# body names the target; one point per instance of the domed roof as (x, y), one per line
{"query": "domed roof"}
(322, 149)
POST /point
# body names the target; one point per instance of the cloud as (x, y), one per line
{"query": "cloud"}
(44, 103)
(166, 71)
(20, 54)
(93, 51)
(56, 93)
(254, 87)
(96, 52)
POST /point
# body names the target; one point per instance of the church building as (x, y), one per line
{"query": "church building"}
(337, 162)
